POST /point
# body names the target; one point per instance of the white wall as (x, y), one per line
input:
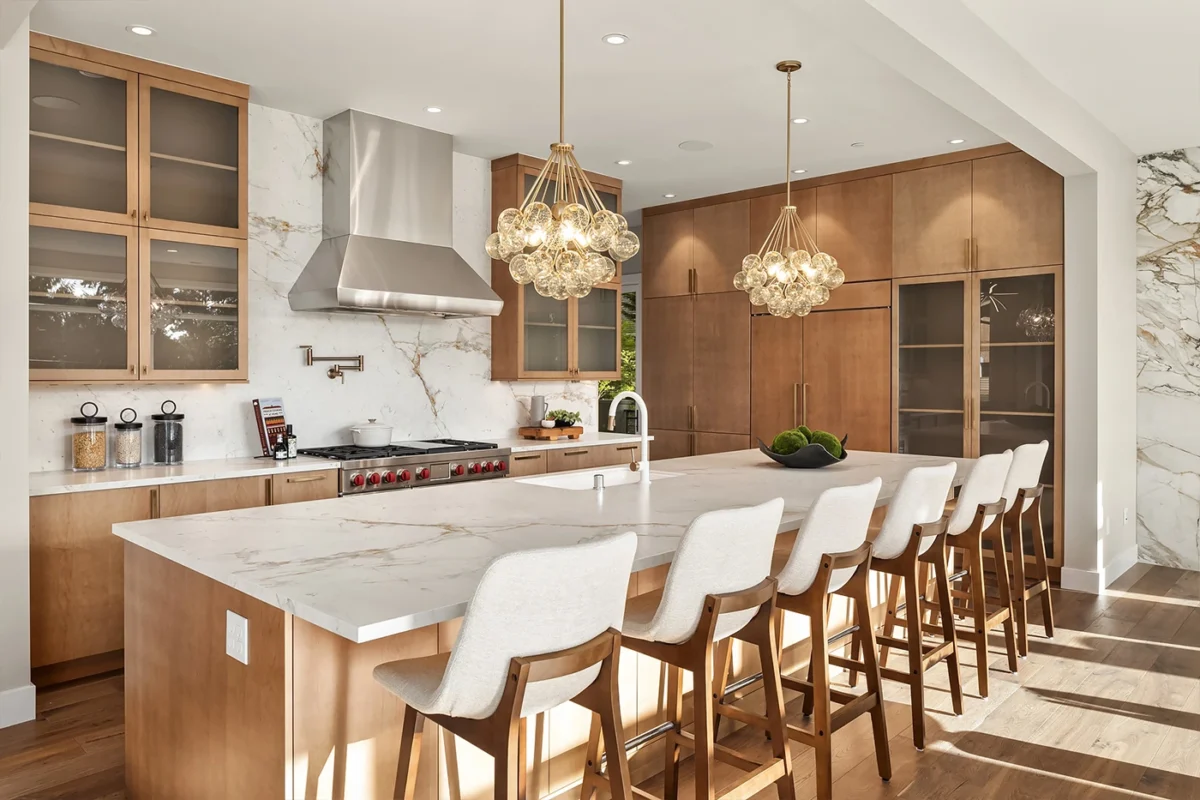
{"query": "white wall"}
(17, 701)
(426, 376)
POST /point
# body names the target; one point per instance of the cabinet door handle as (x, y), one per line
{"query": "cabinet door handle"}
(804, 417)
(154, 503)
(533, 457)
(145, 216)
(691, 444)
(974, 254)
(308, 479)
(967, 253)
(628, 447)
(576, 452)
(132, 369)
(145, 369)
(795, 402)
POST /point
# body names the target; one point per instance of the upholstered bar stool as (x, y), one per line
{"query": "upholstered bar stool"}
(1023, 504)
(718, 587)
(975, 522)
(540, 630)
(914, 536)
(829, 556)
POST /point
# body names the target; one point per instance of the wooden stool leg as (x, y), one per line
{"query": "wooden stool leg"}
(819, 670)
(702, 728)
(889, 621)
(916, 663)
(591, 767)
(1004, 581)
(522, 761)
(974, 559)
(865, 636)
(410, 754)
(1020, 611)
(674, 716)
(724, 653)
(508, 766)
(1039, 550)
(768, 650)
(614, 742)
(948, 632)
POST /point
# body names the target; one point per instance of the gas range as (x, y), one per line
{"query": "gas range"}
(408, 465)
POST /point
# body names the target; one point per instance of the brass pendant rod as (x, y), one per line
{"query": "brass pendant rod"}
(562, 72)
(787, 164)
(770, 237)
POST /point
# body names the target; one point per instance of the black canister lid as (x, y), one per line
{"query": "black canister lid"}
(128, 424)
(89, 419)
(167, 414)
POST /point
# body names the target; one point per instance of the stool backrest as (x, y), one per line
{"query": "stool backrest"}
(920, 498)
(721, 551)
(1025, 472)
(985, 484)
(836, 523)
(533, 602)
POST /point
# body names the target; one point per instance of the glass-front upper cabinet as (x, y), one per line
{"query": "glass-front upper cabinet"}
(193, 291)
(547, 339)
(931, 350)
(598, 333)
(83, 120)
(82, 276)
(193, 159)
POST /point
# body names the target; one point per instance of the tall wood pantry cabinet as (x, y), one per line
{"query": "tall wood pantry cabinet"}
(138, 219)
(540, 338)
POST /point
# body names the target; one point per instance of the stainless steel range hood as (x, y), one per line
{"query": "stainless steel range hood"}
(388, 226)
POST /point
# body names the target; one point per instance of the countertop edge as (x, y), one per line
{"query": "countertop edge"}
(593, 439)
(43, 484)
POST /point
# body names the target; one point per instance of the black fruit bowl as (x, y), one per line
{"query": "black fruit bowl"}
(814, 456)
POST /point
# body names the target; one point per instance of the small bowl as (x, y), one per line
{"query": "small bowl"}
(814, 456)
(548, 423)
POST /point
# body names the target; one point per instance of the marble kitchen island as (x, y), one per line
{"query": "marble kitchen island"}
(332, 588)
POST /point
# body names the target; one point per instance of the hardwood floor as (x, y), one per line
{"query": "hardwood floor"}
(1108, 709)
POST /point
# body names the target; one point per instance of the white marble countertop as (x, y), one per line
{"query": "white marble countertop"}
(65, 481)
(371, 566)
(593, 439)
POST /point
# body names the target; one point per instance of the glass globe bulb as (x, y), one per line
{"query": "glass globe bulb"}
(492, 245)
(756, 277)
(751, 262)
(538, 216)
(739, 281)
(758, 296)
(835, 278)
(519, 269)
(510, 220)
(625, 246)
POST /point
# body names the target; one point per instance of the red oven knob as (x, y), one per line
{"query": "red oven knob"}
(458, 469)
(423, 473)
(474, 469)
(357, 480)
(405, 475)
(389, 477)
(374, 478)
(501, 466)
(487, 466)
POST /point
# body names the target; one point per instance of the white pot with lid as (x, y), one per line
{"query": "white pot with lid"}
(372, 434)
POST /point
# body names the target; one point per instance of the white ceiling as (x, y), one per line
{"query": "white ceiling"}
(694, 69)
(1131, 63)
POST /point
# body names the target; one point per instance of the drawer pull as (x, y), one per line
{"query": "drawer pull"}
(629, 447)
(576, 452)
(527, 458)
(308, 479)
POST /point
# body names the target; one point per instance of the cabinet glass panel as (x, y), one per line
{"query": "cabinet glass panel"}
(598, 334)
(930, 434)
(193, 159)
(931, 313)
(78, 300)
(193, 306)
(545, 332)
(1000, 432)
(930, 358)
(1016, 345)
(77, 139)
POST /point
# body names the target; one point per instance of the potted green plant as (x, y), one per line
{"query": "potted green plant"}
(563, 418)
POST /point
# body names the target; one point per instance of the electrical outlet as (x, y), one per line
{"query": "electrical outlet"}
(237, 637)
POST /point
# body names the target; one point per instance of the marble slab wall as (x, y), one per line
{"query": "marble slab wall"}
(1168, 406)
(426, 376)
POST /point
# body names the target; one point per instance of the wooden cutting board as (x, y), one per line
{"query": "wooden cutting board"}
(550, 434)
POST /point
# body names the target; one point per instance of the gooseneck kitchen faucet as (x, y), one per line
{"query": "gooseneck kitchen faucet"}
(643, 424)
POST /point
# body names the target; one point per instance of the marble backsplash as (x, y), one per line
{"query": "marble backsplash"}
(426, 376)
(1168, 406)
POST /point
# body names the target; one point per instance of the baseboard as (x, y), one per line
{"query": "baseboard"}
(1081, 580)
(18, 705)
(1120, 565)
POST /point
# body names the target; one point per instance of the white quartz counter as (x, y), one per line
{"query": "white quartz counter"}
(519, 445)
(372, 566)
(64, 481)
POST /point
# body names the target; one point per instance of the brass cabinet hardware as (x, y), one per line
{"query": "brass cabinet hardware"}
(527, 458)
(628, 447)
(795, 392)
(691, 444)
(576, 452)
(154, 503)
(132, 369)
(308, 479)
(974, 254)
(967, 253)
(145, 369)
(804, 414)
(145, 216)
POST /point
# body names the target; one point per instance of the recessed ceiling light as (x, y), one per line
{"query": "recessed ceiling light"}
(799, 120)
(624, 162)
(140, 30)
(615, 38)
(858, 144)
(170, 250)
(433, 109)
(957, 141)
(799, 171)
(695, 145)
(668, 196)
(56, 103)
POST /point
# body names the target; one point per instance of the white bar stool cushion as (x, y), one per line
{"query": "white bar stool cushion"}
(984, 485)
(528, 603)
(920, 499)
(837, 523)
(1025, 472)
(721, 551)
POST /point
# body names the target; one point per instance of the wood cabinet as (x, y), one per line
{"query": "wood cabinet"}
(776, 375)
(304, 487)
(540, 338)
(931, 220)
(202, 497)
(667, 248)
(705, 443)
(984, 373)
(138, 219)
(1017, 213)
(568, 458)
(721, 239)
(667, 330)
(764, 211)
(854, 225)
(670, 444)
(522, 464)
(721, 363)
(76, 595)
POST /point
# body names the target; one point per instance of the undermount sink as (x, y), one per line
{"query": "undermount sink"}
(580, 481)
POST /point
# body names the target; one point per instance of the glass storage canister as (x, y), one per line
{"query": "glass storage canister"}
(168, 435)
(89, 440)
(127, 440)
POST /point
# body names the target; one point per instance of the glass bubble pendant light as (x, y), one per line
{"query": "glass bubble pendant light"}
(562, 240)
(789, 274)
